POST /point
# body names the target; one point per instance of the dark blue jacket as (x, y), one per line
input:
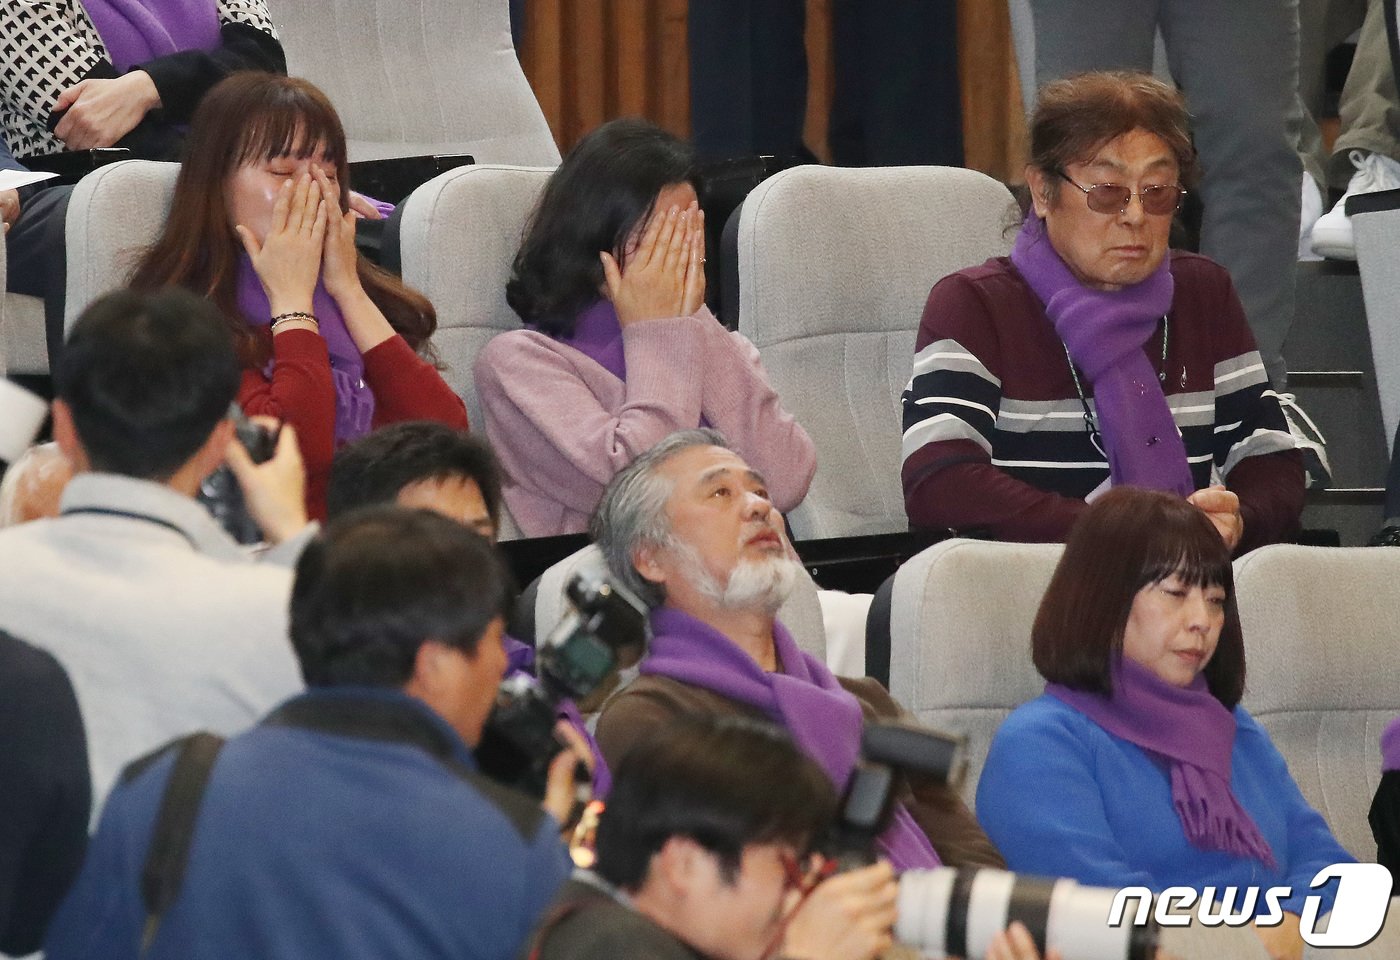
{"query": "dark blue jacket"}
(44, 792)
(349, 824)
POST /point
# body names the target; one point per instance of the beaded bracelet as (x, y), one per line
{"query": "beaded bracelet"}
(295, 315)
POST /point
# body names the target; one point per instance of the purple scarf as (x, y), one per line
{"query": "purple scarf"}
(354, 402)
(138, 31)
(1105, 332)
(1194, 732)
(520, 657)
(804, 698)
(1390, 746)
(598, 336)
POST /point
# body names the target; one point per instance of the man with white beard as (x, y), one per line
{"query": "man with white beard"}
(689, 527)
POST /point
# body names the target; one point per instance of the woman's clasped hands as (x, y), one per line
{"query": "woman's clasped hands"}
(663, 274)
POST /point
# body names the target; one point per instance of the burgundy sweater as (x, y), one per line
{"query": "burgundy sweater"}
(995, 440)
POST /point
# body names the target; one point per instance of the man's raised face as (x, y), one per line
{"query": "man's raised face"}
(728, 545)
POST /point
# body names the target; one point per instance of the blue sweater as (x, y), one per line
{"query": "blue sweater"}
(1061, 796)
(318, 844)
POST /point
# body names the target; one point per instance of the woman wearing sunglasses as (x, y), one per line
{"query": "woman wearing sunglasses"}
(1094, 356)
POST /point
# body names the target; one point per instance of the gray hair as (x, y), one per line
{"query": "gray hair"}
(632, 513)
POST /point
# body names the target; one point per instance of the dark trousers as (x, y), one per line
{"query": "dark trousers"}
(37, 259)
(897, 97)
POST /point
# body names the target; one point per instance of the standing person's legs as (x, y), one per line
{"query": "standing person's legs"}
(1369, 108)
(1237, 63)
(37, 259)
(748, 77)
(898, 97)
(1074, 36)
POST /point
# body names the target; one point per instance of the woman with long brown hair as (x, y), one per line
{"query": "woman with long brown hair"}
(260, 224)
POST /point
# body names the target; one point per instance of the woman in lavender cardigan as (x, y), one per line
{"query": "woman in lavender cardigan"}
(619, 350)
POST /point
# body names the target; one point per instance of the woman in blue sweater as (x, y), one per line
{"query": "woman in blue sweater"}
(1138, 767)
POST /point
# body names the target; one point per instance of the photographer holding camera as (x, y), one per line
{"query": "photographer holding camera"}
(696, 855)
(163, 624)
(699, 857)
(353, 821)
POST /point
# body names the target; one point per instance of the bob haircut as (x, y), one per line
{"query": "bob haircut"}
(603, 190)
(1076, 116)
(695, 779)
(1127, 539)
(251, 117)
(379, 582)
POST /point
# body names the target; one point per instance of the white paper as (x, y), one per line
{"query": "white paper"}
(14, 179)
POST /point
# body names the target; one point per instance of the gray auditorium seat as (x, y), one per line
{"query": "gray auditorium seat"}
(414, 77)
(114, 214)
(1324, 670)
(834, 268)
(960, 637)
(458, 236)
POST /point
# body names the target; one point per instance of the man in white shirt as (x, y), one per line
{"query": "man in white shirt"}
(163, 623)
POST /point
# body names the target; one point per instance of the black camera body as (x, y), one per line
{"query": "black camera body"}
(220, 492)
(577, 657)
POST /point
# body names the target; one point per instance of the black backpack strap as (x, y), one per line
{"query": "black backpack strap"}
(169, 853)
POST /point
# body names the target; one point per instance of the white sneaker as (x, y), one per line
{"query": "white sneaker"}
(1311, 211)
(1331, 235)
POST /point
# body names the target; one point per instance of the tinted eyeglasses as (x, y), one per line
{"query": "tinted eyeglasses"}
(1113, 198)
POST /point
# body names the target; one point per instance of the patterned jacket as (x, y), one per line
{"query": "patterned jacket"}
(46, 46)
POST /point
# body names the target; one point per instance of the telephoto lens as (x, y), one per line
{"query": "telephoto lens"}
(955, 913)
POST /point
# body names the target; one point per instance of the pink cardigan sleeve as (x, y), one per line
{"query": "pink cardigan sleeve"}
(740, 403)
(551, 428)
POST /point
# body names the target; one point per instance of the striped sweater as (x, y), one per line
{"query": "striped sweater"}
(995, 439)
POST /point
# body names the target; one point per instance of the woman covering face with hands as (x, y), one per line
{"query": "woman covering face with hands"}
(260, 223)
(618, 349)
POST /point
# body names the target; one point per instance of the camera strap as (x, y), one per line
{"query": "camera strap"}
(168, 855)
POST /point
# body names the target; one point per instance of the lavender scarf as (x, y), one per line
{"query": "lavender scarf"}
(598, 336)
(804, 698)
(1105, 332)
(138, 31)
(354, 402)
(1194, 732)
(1390, 746)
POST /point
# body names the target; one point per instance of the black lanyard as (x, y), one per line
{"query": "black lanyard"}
(1090, 421)
(108, 512)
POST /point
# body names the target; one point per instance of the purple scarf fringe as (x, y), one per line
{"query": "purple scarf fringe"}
(1195, 733)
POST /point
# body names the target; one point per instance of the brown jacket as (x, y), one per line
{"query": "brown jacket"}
(649, 701)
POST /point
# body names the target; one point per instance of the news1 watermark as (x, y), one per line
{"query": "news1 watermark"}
(1358, 911)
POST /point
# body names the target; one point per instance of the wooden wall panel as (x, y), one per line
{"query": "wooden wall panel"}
(592, 60)
(994, 124)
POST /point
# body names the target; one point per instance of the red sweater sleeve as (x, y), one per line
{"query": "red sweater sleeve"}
(299, 392)
(407, 387)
